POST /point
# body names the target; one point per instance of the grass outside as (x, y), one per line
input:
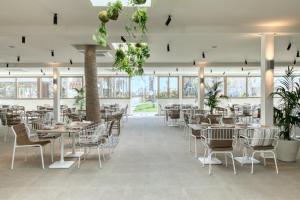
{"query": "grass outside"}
(146, 107)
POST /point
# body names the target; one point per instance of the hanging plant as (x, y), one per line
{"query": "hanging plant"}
(103, 16)
(140, 17)
(114, 10)
(139, 2)
(101, 36)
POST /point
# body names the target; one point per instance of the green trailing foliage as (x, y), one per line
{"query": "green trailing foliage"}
(214, 95)
(133, 59)
(289, 101)
(80, 98)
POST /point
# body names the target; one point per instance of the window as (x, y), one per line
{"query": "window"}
(8, 88)
(190, 87)
(254, 86)
(209, 81)
(113, 87)
(168, 87)
(27, 88)
(46, 88)
(68, 84)
(236, 86)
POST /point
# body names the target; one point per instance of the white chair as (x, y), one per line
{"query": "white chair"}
(91, 137)
(262, 140)
(219, 141)
(21, 140)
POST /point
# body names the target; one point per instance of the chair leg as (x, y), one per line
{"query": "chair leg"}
(13, 158)
(234, 171)
(209, 164)
(204, 158)
(42, 157)
(195, 141)
(275, 161)
(252, 162)
(52, 150)
(100, 164)
(265, 163)
(226, 163)
(103, 153)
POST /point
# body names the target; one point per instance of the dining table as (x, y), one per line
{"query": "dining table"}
(62, 129)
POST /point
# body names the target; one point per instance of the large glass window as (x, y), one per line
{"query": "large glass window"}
(168, 87)
(236, 86)
(8, 88)
(27, 88)
(113, 87)
(254, 86)
(209, 81)
(190, 86)
(46, 88)
(68, 84)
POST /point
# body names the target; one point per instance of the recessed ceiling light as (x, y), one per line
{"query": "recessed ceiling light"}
(126, 3)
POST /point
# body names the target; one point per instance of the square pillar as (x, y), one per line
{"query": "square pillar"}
(201, 88)
(267, 81)
(56, 93)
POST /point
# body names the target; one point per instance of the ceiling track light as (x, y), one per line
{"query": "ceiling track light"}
(211, 71)
(41, 70)
(177, 69)
(9, 72)
(246, 62)
(68, 68)
(44, 74)
(194, 63)
(289, 46)
(248, 73)
(55, 19)
(52, 53)
(23, 39)
(123, 39)
(298, 54)
(224, 73)
(18, 58)
(242, 68)
(168, 20)
(7, 65)
(154, 72)
(203, 55)
(295, 61)
(169, 74)
(71, 62)
(168, 47)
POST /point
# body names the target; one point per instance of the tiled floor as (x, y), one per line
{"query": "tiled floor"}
(151, 162)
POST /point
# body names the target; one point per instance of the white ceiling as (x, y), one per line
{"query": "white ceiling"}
(233, 25)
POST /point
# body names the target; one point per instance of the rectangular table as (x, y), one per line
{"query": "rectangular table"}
(62, 129)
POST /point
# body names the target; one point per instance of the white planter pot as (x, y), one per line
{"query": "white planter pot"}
(287, 150)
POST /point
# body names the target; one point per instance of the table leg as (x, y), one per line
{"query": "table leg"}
(73, 154)
(62, 164)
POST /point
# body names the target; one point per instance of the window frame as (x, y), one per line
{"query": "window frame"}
(110, 87)
(168, 96)
(182, 87)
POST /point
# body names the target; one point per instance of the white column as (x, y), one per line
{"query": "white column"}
(56, 93)
(201, 88)
(267, 71)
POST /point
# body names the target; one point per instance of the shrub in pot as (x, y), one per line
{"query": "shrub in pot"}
(214, 95)
(289, 100)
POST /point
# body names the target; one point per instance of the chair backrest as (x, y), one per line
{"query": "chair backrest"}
(262, 136)
(91, 134)
(228, 120)
(21, 134)
(220, 137)
(214, 119)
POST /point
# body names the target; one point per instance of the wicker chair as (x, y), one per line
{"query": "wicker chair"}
(174, 115)
(22, 140)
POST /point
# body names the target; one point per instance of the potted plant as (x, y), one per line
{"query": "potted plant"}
(214, 95)
(139, 2)
(289, 101)
(80, 98)
(114, 10)
(140, 17)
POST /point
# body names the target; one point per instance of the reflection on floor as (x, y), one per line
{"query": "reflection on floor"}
(151, 162)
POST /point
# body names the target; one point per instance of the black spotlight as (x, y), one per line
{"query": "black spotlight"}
(68, 68)
(7, 65)
(52, 53)
(168, 47)
(168, 20)
(298, 54)
(169, 74)
(55, 19)
(176, 69)
(154, 72)
(248, 73)
(194, 63)
(41, 70)
(203, 55)
(289, 46)
(71, 62)
(211, 71)
(224, 73)
(295, 61)
(123, 39)
(44, 74)
(8, 72)
(242, 68)
(18, 58)
(23, 39)
(246, 62)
